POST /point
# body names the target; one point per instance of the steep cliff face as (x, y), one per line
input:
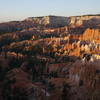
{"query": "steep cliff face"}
(91, 34)
(50, 20)
(44, 61)
(79, 20)
(65, 21)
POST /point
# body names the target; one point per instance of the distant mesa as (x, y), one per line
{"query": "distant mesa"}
(57, 21)
(49, 20)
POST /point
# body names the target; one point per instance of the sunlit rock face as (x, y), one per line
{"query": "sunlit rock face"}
(45, 61)
(65, 21)
(50, 20)
(79, 20)
(91, 34)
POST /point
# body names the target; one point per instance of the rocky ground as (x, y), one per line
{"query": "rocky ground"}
(42, 60)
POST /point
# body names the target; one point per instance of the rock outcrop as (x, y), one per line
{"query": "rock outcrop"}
(91, 34)
(55, 21)
(88, 19)
(58, 21)
(41, 60)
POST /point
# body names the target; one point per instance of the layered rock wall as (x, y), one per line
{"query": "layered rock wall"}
(65, 21)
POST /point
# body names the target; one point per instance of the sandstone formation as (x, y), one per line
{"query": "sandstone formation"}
(51, 57)
(57, 21)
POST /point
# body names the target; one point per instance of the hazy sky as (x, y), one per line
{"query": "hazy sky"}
(21, 9)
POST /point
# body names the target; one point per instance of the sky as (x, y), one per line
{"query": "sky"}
(21, 9)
